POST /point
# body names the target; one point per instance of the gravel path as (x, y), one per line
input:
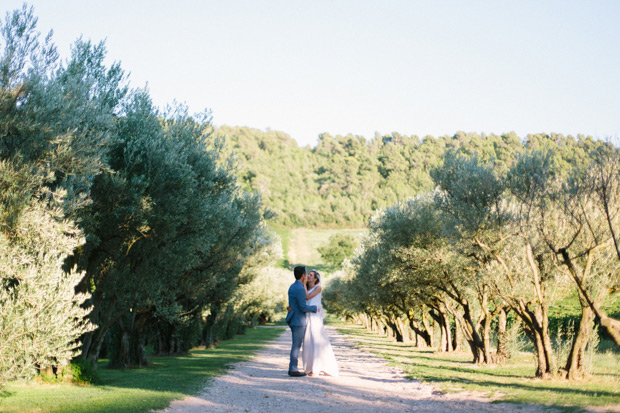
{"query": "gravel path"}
(366, 384)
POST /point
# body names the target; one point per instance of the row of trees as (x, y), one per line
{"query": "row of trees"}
(494, 240)
(119, 224)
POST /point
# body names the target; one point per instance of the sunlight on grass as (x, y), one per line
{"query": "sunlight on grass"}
(305, 242)
(512, 382)
(137, 390)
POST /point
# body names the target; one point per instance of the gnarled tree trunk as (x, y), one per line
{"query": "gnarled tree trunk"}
(502, 354)
(441, 317)
(404, 330)
(470, 331)
(457, 337)
(393, 330)
(129, 347)
(208, 333)
(610, 325)
(422, 333)
(575, 366)
(534, 326)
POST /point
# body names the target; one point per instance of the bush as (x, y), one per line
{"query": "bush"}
(339, 247)
(79, 371)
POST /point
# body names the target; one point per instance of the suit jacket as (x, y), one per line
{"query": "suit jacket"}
(297, 301)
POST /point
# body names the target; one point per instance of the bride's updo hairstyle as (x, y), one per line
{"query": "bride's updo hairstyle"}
(317, 276)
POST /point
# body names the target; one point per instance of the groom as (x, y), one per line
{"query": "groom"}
(296, 319)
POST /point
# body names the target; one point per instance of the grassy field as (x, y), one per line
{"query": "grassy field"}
(300, 245)
(512, 382)
(138, 390)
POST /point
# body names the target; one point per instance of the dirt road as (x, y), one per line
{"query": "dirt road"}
(366, 384)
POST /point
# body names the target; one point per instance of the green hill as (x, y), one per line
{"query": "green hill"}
(344, 180)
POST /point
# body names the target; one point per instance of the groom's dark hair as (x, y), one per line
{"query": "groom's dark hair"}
(299, 271)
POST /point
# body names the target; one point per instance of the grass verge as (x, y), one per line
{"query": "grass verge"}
(139, 390)
(285, 237)
(511, 382)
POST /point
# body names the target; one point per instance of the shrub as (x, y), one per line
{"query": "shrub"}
(79, 371)
(339, 247)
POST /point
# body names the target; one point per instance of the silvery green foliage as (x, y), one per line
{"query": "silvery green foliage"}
(55, 125)
(166, 228)
(41, 317)
(259, 292)
(168, 231)
(265, 297)
(56, 116)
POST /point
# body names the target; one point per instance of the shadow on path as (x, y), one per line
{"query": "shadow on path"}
(366, 384)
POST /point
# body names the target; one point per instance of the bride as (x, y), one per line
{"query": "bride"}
(318, 355)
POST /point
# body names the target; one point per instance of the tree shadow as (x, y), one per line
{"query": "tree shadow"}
(518, 381)
(5, 393)
(524, 386)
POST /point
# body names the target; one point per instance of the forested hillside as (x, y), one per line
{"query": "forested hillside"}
(344, 180)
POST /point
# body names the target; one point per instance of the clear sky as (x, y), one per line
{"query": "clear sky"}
(357, 66)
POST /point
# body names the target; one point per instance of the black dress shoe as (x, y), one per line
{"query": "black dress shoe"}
(296, 373)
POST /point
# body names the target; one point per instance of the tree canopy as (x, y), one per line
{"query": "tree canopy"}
(344, 180)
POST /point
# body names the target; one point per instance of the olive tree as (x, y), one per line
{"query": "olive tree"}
(599, 187)
(168, 233)
(42, 317)
(493, 214)
(54, 124)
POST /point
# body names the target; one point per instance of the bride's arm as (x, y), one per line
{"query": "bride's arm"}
(313, 293)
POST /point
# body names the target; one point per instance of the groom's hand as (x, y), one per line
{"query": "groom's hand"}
(289, 309)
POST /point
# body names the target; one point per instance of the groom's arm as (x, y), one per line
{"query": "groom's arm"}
(300, 295)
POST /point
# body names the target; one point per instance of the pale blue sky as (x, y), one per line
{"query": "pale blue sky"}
(307, 67)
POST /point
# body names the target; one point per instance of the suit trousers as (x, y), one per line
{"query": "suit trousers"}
(298, 333)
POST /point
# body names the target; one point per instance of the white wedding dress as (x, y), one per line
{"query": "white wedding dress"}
(318, 355)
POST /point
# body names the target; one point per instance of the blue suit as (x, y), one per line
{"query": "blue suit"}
(296, 319)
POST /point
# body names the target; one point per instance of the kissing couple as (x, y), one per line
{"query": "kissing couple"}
(305, 318)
